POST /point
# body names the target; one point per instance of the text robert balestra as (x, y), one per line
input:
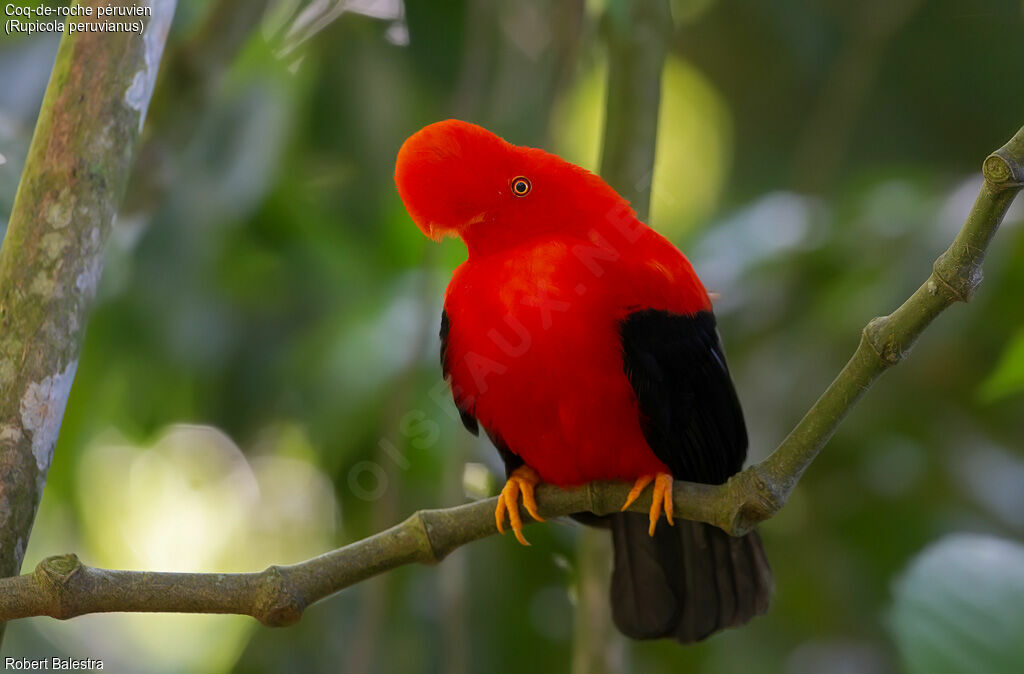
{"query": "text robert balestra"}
(55, 664)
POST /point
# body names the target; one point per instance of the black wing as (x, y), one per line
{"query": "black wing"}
(468, 420)
(510, 458)
(692, 419)
(692, 579)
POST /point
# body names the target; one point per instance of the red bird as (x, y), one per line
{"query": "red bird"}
(584, 344)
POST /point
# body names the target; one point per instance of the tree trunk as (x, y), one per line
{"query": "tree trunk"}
(52, 256)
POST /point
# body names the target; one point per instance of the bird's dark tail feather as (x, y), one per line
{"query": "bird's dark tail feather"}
(687, 581)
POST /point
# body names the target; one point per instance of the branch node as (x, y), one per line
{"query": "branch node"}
(420, 524)
(965, 280)
(54, 574)
(1000, 172)
(759, 498)
(59, 568)
(276, 604)
(880, 337)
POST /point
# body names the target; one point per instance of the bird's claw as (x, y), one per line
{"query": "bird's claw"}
(522, 480)
(660, 500)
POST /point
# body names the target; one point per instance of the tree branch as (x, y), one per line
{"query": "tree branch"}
(638, 35)
(72, 184)
(885, 341)
(63, 587)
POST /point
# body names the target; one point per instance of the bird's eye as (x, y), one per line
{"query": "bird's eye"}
(520, 186)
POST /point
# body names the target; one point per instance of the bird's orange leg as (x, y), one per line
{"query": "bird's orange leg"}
(660, 500)
(522, 480)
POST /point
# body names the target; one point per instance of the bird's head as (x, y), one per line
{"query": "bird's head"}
(459, 179)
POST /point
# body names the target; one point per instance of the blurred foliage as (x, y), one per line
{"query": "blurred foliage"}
(1008, 376)
(814, 159)
(960, 607)
(691, 116)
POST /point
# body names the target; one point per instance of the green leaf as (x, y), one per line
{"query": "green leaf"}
(959, 607)
(1008, 377)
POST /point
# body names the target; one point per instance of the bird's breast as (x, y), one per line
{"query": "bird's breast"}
(534, 352)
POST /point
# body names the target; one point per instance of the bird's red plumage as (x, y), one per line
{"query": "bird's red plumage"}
(534, 349)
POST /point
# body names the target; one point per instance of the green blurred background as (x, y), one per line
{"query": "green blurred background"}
(261, 363)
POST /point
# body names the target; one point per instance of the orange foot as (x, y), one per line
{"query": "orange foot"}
(523, 479)
(662, 497)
